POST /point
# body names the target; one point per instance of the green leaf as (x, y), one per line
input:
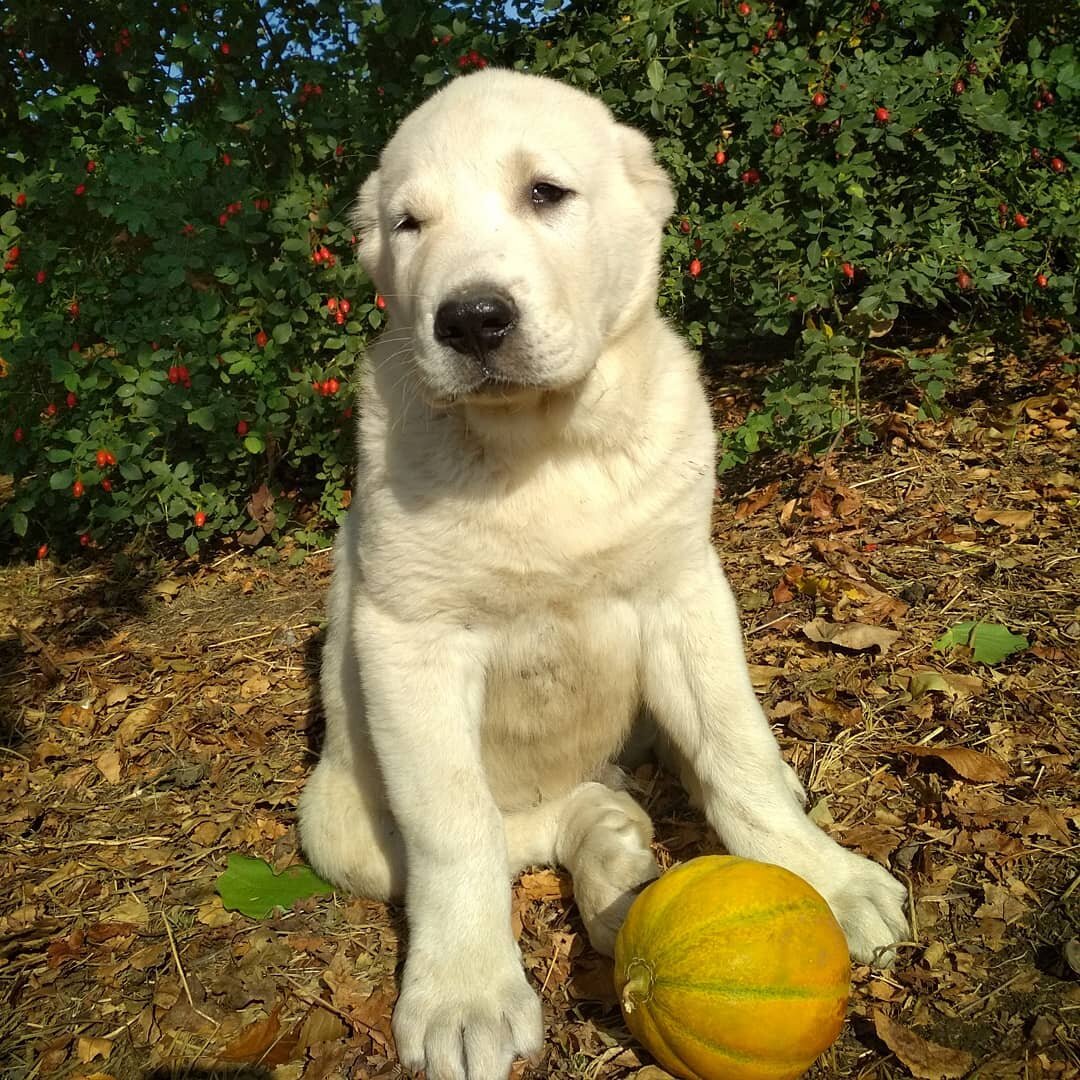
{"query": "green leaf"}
(282, 332)
(203, 417)
(19, 523)
(250, 886)
(254, 444)
(655, 74)
(990, 643)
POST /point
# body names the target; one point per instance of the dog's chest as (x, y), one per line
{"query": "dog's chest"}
(562, 691)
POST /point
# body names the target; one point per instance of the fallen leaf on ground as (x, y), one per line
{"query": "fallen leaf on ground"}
(924, 682)
(925, 1059)
(88, 1048)
(252, 1043)
(546, 885)
(852, 635)
(990, 643)
(1017, 519)
(757, 501)
(251, 886)
(970, 764)
(108, 765)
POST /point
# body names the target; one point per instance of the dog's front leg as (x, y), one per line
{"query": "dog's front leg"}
(466, 1009)
(698, 685)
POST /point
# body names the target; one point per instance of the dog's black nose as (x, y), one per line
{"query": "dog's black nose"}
(475, 325)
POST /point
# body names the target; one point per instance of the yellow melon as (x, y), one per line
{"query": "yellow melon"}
(729, 969)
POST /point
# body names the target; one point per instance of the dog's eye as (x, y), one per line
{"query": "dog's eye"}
(544, 194)
(407, 223)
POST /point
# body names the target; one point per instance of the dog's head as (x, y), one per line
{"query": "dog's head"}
(513, 227)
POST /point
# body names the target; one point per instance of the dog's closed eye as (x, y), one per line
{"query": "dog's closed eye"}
(406, 223)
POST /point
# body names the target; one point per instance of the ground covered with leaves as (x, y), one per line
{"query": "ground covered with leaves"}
(160, 716)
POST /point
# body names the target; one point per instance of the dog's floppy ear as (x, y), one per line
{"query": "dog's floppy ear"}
(365, 219)
(650, 179)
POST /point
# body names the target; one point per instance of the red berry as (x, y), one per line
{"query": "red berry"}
(20, 200)
(819, 100)
(174, 375)
(261, 338)
(40, 276)
(755, 49)
(91, 166)
(73, 309)
(1036, 154)
(380, 302)
(959, 86)
(42, 551)
(972, 68)
(882, 115)
(777, 130)
(751, 176)
(1020, 220)
(18, 434)
(200, 519)
(1042, 281)
(332, 386)
(848, 271)
(339, 318)
(13, 254)
(1038, 106)
(225, 50)
(80, 189)
(1048, 97)
(71, 400)
(345, 306)
(51, 409)
(226, 160)
(684, 226)
(720, 157)
(1003, 208)
(102, 458)
(77, 489)
(744, 9)
(1057, 164)
(347, 413)
(223, 220)
(963, 279)
(331, 304)
(339, 150)
(241, 427)
(106, 484)
(84, 539)
(694, 268)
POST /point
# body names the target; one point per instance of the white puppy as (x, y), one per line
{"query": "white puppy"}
(526, 569)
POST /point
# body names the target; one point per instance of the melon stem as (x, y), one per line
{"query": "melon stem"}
(638, 987)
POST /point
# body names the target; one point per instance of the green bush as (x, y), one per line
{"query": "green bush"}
(173, 176)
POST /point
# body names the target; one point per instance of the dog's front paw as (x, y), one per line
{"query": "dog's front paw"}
(867, 901)
(466, 1017)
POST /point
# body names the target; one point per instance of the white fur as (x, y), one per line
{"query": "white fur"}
(524, 571)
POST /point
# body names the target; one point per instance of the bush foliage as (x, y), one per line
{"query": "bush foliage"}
(181, 318)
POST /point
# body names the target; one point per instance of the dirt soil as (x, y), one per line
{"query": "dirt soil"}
(157, 715)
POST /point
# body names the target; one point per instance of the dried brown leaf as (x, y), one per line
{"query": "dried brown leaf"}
(546, 885)
(970, 764)
(253, 1041)
(88, 1048)
(108, 765)
(853, 635)
(320, 1026)
(757, 501)
(1016, 519)
(925, 1059)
